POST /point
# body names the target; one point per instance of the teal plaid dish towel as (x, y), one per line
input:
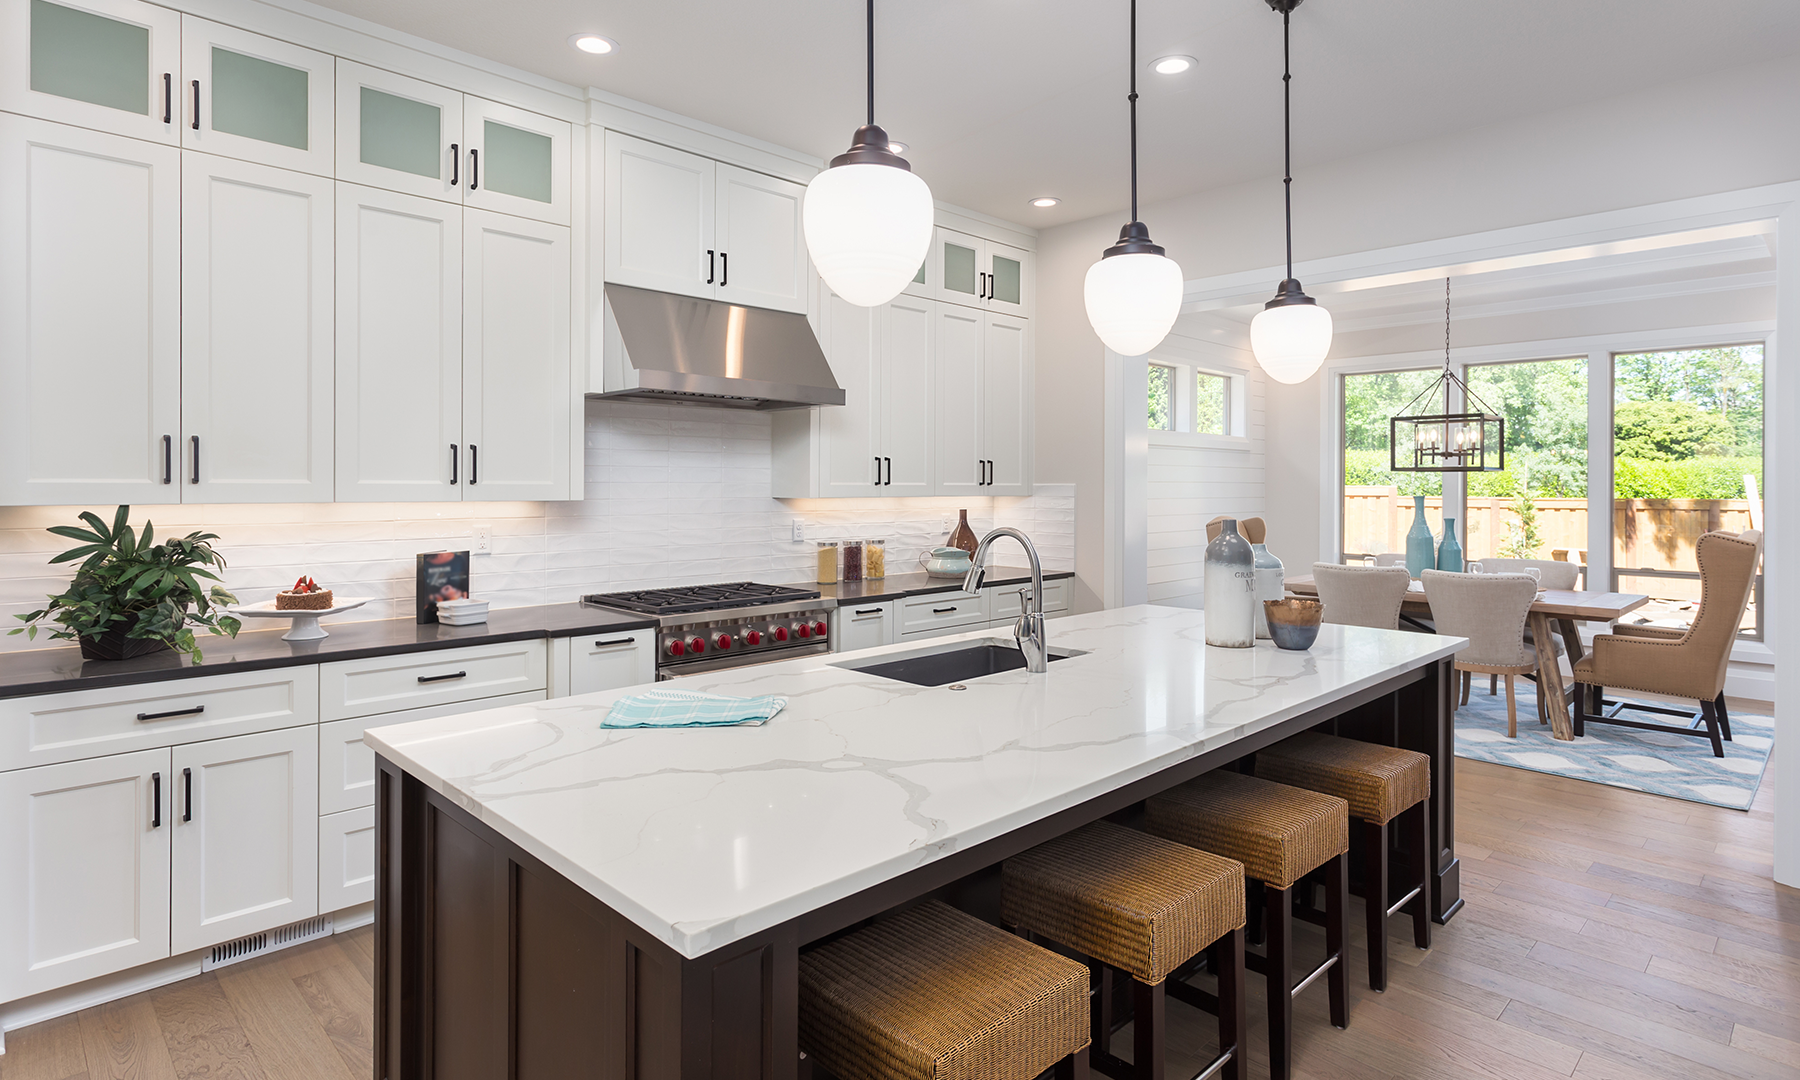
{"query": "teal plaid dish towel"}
(690, 708)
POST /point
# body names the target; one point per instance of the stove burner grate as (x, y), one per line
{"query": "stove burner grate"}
(696, 598)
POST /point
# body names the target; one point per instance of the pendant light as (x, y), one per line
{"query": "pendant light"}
(867, 218)
(1133, 293)
(1473, 440)
(1292, 333)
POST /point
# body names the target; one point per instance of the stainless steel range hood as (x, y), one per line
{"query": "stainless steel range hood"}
(667, 348)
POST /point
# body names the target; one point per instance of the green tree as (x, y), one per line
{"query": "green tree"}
(1669, 431)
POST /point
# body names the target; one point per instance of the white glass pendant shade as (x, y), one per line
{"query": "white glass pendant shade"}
(1133, 300)
(1290, 340)
(868, 228)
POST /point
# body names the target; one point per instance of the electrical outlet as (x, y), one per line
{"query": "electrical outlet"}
(944, 524)
(484, 539)
(799, 531)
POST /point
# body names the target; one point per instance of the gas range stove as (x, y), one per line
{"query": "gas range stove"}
(713, 627)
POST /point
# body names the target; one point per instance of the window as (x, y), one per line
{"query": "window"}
(1187, 400)
(1536, 508)
(1212, 404)
(1162, 397)
(1378, 504)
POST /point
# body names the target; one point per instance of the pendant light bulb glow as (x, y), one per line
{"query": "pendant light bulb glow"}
(868, 218)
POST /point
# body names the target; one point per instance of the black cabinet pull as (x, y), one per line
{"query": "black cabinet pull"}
(195, 711)
(187, 798)
(455, 163)
(196, 104)
(156, 800)
(942, 610)
(168, 459)
(455, 460)
(168, 98)
(868, 611)
(194, 441)
(724, 268)
(443, 678)
(711, 260)
(474, 457)
(878, 471)
(474, 171)
(614, 641)
(890, 471)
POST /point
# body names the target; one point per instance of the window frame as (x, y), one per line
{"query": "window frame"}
(1237, 394)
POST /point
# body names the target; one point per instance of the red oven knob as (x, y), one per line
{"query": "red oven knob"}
(753, 637)
(696, 645)
(781, 633)
(676, 648)
(820, 629)
(723, 641)
(803, 630)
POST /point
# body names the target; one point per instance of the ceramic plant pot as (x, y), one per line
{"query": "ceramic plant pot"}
(1230, 582)
(114, 645)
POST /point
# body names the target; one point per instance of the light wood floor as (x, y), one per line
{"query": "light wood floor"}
(1607, 935)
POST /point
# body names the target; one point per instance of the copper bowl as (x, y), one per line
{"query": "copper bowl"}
(1294, 622)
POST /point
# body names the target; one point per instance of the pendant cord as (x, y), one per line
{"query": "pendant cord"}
(869, 23)
(1287, 140)
(1133, 99)
(1447, 372)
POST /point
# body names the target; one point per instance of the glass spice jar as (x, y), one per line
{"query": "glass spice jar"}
(828, 562)
(850, 562)
(874, 559)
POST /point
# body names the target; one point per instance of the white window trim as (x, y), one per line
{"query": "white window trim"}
(1188, 362)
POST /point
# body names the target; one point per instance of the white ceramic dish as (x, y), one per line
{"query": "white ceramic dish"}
(306, 623)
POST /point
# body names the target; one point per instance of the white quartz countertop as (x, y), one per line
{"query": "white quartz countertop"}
(706, 836)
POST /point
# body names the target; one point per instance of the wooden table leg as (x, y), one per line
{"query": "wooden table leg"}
(1550, 681)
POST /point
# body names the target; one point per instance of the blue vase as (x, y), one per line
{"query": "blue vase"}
(1421, 551)
(1450, 552)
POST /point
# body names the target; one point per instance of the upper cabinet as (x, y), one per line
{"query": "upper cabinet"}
(251, 97)
(687, 224)
(418, 138)
(109, 65)
(976, 272)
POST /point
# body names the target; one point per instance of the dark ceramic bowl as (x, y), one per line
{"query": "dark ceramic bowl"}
(1294, 622)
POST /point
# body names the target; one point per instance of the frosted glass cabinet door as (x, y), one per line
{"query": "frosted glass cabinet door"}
(86, 888)
(515, 162)
(257, 98)
(256, 326)
(1012, 279)
(399, 347)
(517, 392)
(110, 65)
(762, 251)
(90, 316)
(961, 267)
(399, 133)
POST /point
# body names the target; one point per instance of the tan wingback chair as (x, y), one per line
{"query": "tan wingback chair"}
(1551, 574)
(1252, 529)
(1362, 595)
(1677, 663)
(1489, 610)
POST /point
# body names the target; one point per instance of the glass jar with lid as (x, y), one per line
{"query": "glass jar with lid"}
(874, 559)
(828, 562)
(850, 560)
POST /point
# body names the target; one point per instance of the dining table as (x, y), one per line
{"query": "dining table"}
(1555, 613)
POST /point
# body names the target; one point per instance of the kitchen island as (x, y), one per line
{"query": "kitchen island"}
(556, 898)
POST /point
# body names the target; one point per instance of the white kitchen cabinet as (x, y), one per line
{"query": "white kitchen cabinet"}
(1006, 392)
(516, 393)
(976, 272)
(936, 614)
(983, 396)
(399, 347)
(347, 859)
(908, 449)
(864, 626)
(257, 350)
(108, 65)
(347, 765)
(380, 685)
(400, 134)
(251, 97)
(517, 162)
(244, 845)
(90, 313)
(595, 662)
(86, 888)
(687, 224)
(1006, 602)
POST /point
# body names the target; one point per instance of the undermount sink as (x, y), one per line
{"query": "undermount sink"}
(941, 667)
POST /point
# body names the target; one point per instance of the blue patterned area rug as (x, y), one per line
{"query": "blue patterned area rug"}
(1678, 766)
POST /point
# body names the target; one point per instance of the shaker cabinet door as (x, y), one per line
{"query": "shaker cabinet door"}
(108, 65)
(908, 450)
(90, 316)
(957, 339)
(398, 133)
(659, 217)
(762, 250)
(850, 454)
(516, 162)
(257, 409)
(251, 97)
(1006, 405)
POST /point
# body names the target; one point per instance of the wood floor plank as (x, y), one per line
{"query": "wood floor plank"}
(1669, 1054)
(275, 1015)
(343, 1003)
(359, 946)
(202, 1033)
(124, 1041)
(51, 1050)
(1762, 1044)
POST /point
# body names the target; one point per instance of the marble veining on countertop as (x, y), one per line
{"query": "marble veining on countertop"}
(706, 836)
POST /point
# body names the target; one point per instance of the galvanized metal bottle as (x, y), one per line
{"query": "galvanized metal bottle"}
(1230, 590)
(1271, 577)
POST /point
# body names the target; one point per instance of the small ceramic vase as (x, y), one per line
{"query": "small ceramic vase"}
(1449, 556)
(1230, 582)
(1420, 546)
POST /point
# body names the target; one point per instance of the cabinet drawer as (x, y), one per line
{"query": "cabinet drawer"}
(346, 859)
(943, 611)
(864, 626)
(385, 684)
(608, 661)
(347, 767)
(1003, 600)
(89, 723)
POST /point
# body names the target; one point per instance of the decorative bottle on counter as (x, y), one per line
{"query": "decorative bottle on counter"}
(1271, 577)
(962, 536)
(1449, 556)
(1420, 553)
(1230, 584)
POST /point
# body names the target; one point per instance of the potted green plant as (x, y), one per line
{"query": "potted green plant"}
(133, 596)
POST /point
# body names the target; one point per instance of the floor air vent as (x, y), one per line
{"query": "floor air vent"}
(253, 945)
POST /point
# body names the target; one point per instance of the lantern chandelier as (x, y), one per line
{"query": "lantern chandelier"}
(1470, 441)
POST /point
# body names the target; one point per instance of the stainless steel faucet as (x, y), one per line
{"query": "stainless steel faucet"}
(1029, 630)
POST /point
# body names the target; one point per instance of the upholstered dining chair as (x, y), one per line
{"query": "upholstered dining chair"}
(1391, 558)
(1489, 610)
(1677, 663)
(1551, 574)
(1362, 595)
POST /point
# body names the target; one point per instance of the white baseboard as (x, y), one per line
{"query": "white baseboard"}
(352, 917)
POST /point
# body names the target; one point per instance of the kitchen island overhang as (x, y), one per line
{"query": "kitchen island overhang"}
(653, 889)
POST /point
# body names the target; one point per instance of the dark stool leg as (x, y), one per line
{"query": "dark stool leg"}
(1278, 975)
(1234, 1020)
(1421, 865)
(1337, 899)
(1149, 1029)
(1374, 840)
(1103, 1008)
(1073, 1067)
(804, 1070)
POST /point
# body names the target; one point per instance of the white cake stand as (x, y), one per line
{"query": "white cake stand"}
(306, 623)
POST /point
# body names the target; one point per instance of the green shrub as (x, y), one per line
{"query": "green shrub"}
(1695, 478)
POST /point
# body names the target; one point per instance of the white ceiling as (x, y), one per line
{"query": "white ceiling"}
(1004, 100)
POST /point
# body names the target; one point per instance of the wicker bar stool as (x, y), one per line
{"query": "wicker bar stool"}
(1280, 834)
(934, 994)
(1146, 908)
(1380, 783)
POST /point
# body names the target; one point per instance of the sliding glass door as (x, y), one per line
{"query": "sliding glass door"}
(1537, 507)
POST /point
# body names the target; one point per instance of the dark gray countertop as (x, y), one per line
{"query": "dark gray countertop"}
(48, 671)
(919, 583)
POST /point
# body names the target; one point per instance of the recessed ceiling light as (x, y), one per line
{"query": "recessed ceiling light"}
(593, 43)
(896, 148)
(1172, 65)
(1045, 203)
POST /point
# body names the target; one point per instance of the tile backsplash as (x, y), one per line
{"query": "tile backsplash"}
(675, 495)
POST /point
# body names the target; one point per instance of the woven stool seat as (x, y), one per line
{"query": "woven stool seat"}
(1377, 781)
(934, 994)
(1278, 832)
(1141, 904)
